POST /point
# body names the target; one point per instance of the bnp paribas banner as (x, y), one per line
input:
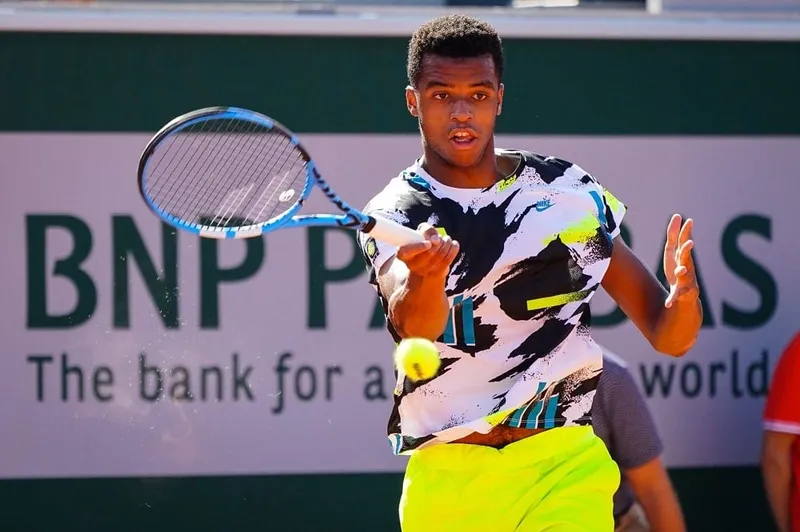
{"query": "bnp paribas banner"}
(128, 349)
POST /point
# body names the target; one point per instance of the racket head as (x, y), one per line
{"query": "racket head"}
(225, 172)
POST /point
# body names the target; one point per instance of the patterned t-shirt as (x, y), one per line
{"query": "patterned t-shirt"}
(517, 348)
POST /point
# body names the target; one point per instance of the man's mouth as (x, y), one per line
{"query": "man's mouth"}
(463, 138)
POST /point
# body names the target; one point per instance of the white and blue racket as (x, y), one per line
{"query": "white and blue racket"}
(225, 172)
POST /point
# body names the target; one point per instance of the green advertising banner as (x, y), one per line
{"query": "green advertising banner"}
(224, 385)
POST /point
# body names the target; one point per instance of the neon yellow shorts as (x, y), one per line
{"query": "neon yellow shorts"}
(561, 480)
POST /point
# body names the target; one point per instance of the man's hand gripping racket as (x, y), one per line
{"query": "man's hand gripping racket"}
(430, 257)
(225, 172)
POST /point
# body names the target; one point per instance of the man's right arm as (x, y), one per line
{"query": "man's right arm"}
(413, 283)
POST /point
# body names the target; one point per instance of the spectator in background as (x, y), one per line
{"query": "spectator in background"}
(645, 500)
(780, 455)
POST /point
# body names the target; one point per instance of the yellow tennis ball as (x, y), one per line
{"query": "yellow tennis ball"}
(418, 358)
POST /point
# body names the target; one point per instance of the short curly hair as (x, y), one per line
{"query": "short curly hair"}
(455, 36)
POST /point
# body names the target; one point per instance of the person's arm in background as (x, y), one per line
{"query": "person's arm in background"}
(781, 430)
(639, 448)
(776, 469)
(653, 489)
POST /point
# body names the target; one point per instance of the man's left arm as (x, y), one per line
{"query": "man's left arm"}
(669, 320)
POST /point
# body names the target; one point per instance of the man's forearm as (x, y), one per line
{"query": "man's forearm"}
(419, 307)
(663, 511)
(653, 489)
(777, 482)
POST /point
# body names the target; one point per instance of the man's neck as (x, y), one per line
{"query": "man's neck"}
(482, 175)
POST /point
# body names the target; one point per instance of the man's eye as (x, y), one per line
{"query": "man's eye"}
(481, 96)
(440, 96)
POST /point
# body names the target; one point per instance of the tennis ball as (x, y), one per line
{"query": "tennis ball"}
(418, 358)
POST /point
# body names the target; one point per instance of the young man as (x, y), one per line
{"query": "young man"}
(515, 246)
(645, 500)
(780, 457)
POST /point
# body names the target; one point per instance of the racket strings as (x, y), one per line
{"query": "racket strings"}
(212, 163)
(271, 148)
(251, 161)
(228, 191)
(177, 155)
(225, 172)
(285, 158)
(181, 152)
(196, 193)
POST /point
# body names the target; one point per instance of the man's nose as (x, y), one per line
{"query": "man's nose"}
(462, 111)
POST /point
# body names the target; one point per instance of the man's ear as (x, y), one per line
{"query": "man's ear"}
(500, 92)
(411, 101)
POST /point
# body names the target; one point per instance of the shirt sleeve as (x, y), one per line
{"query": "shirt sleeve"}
(782, 408)
(613, 211)
(634, 431)
(610, 210)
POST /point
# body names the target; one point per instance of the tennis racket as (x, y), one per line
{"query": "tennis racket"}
(225, 172)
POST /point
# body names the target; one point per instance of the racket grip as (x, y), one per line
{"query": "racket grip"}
(392, 232)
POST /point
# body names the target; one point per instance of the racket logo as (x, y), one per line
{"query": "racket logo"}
(371, 248)
(286, 195)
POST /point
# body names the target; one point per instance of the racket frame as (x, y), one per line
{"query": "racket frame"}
(352, 218)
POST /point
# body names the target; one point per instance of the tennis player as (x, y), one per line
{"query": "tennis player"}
(516, 245)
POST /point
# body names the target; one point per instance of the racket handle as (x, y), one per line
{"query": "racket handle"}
(391, 232)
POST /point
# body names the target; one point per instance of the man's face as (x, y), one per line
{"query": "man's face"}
(457, 102)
